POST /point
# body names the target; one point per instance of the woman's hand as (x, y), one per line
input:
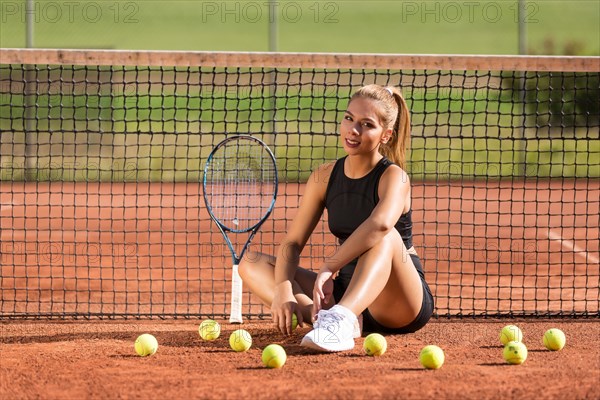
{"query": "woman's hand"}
(284, 305)
(323, 290)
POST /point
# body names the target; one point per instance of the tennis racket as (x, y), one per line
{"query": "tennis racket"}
(240, 188)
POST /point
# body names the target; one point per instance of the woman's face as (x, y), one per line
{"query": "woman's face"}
(361, 131)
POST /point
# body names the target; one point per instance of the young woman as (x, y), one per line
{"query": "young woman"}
(375, 275)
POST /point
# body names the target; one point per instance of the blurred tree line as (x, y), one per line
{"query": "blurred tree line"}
(557, 99)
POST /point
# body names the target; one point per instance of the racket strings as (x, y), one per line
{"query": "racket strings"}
(241, 180)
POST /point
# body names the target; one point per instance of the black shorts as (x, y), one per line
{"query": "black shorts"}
(341, 282)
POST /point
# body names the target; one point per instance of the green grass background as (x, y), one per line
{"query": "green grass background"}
(167, 138)
(441, 27)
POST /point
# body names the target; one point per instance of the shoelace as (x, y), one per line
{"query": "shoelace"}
(328, 320)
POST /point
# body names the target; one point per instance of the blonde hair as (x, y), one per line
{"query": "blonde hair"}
(393, 114)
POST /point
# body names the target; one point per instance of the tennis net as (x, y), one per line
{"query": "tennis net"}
(102, 152)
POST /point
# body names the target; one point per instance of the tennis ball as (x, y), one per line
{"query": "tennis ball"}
(209, 329)
(510, 333)
(240, 340)
(273, 356)
(146, 345)
(515, 353)
(294, 321)
(375, 345)
(432, 357)
(554, 339)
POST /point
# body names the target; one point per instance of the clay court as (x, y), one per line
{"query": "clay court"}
(96, 359)
(104, 234)
(490, 249)
(87, 357)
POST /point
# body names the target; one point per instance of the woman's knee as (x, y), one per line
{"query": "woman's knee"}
(251, 262)
(392, 239)
(388, 244)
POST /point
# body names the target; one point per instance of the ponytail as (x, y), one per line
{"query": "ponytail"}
(394, 114)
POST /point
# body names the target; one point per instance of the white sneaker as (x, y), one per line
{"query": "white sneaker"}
(334, 330)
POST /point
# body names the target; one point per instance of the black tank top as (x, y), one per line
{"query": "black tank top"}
(349, 202)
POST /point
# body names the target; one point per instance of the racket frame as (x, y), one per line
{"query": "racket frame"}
(235, 315)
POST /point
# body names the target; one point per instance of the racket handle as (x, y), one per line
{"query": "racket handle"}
(235, 316)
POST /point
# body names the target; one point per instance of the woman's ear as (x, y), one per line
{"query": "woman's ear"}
(387, 135)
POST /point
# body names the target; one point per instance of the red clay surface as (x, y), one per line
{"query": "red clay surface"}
(150, 249)
(96, 359)
(497, 247)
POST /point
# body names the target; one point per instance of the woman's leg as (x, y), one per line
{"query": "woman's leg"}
(386, 282)
(258, 273)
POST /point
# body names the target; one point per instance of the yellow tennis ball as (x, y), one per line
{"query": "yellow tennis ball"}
(240, 340)
(294, 321)
(209, 329)
(554, 339)
(432, 357)
(274, 356)
(510, 333)
(515, 353)
(146, 345)
(375, 345)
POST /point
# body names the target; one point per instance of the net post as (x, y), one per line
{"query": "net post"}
(29, 126)
(521, 139)
(521, 147)
(269, 137)
(30, 20)
(29, 92)
(522, 27)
